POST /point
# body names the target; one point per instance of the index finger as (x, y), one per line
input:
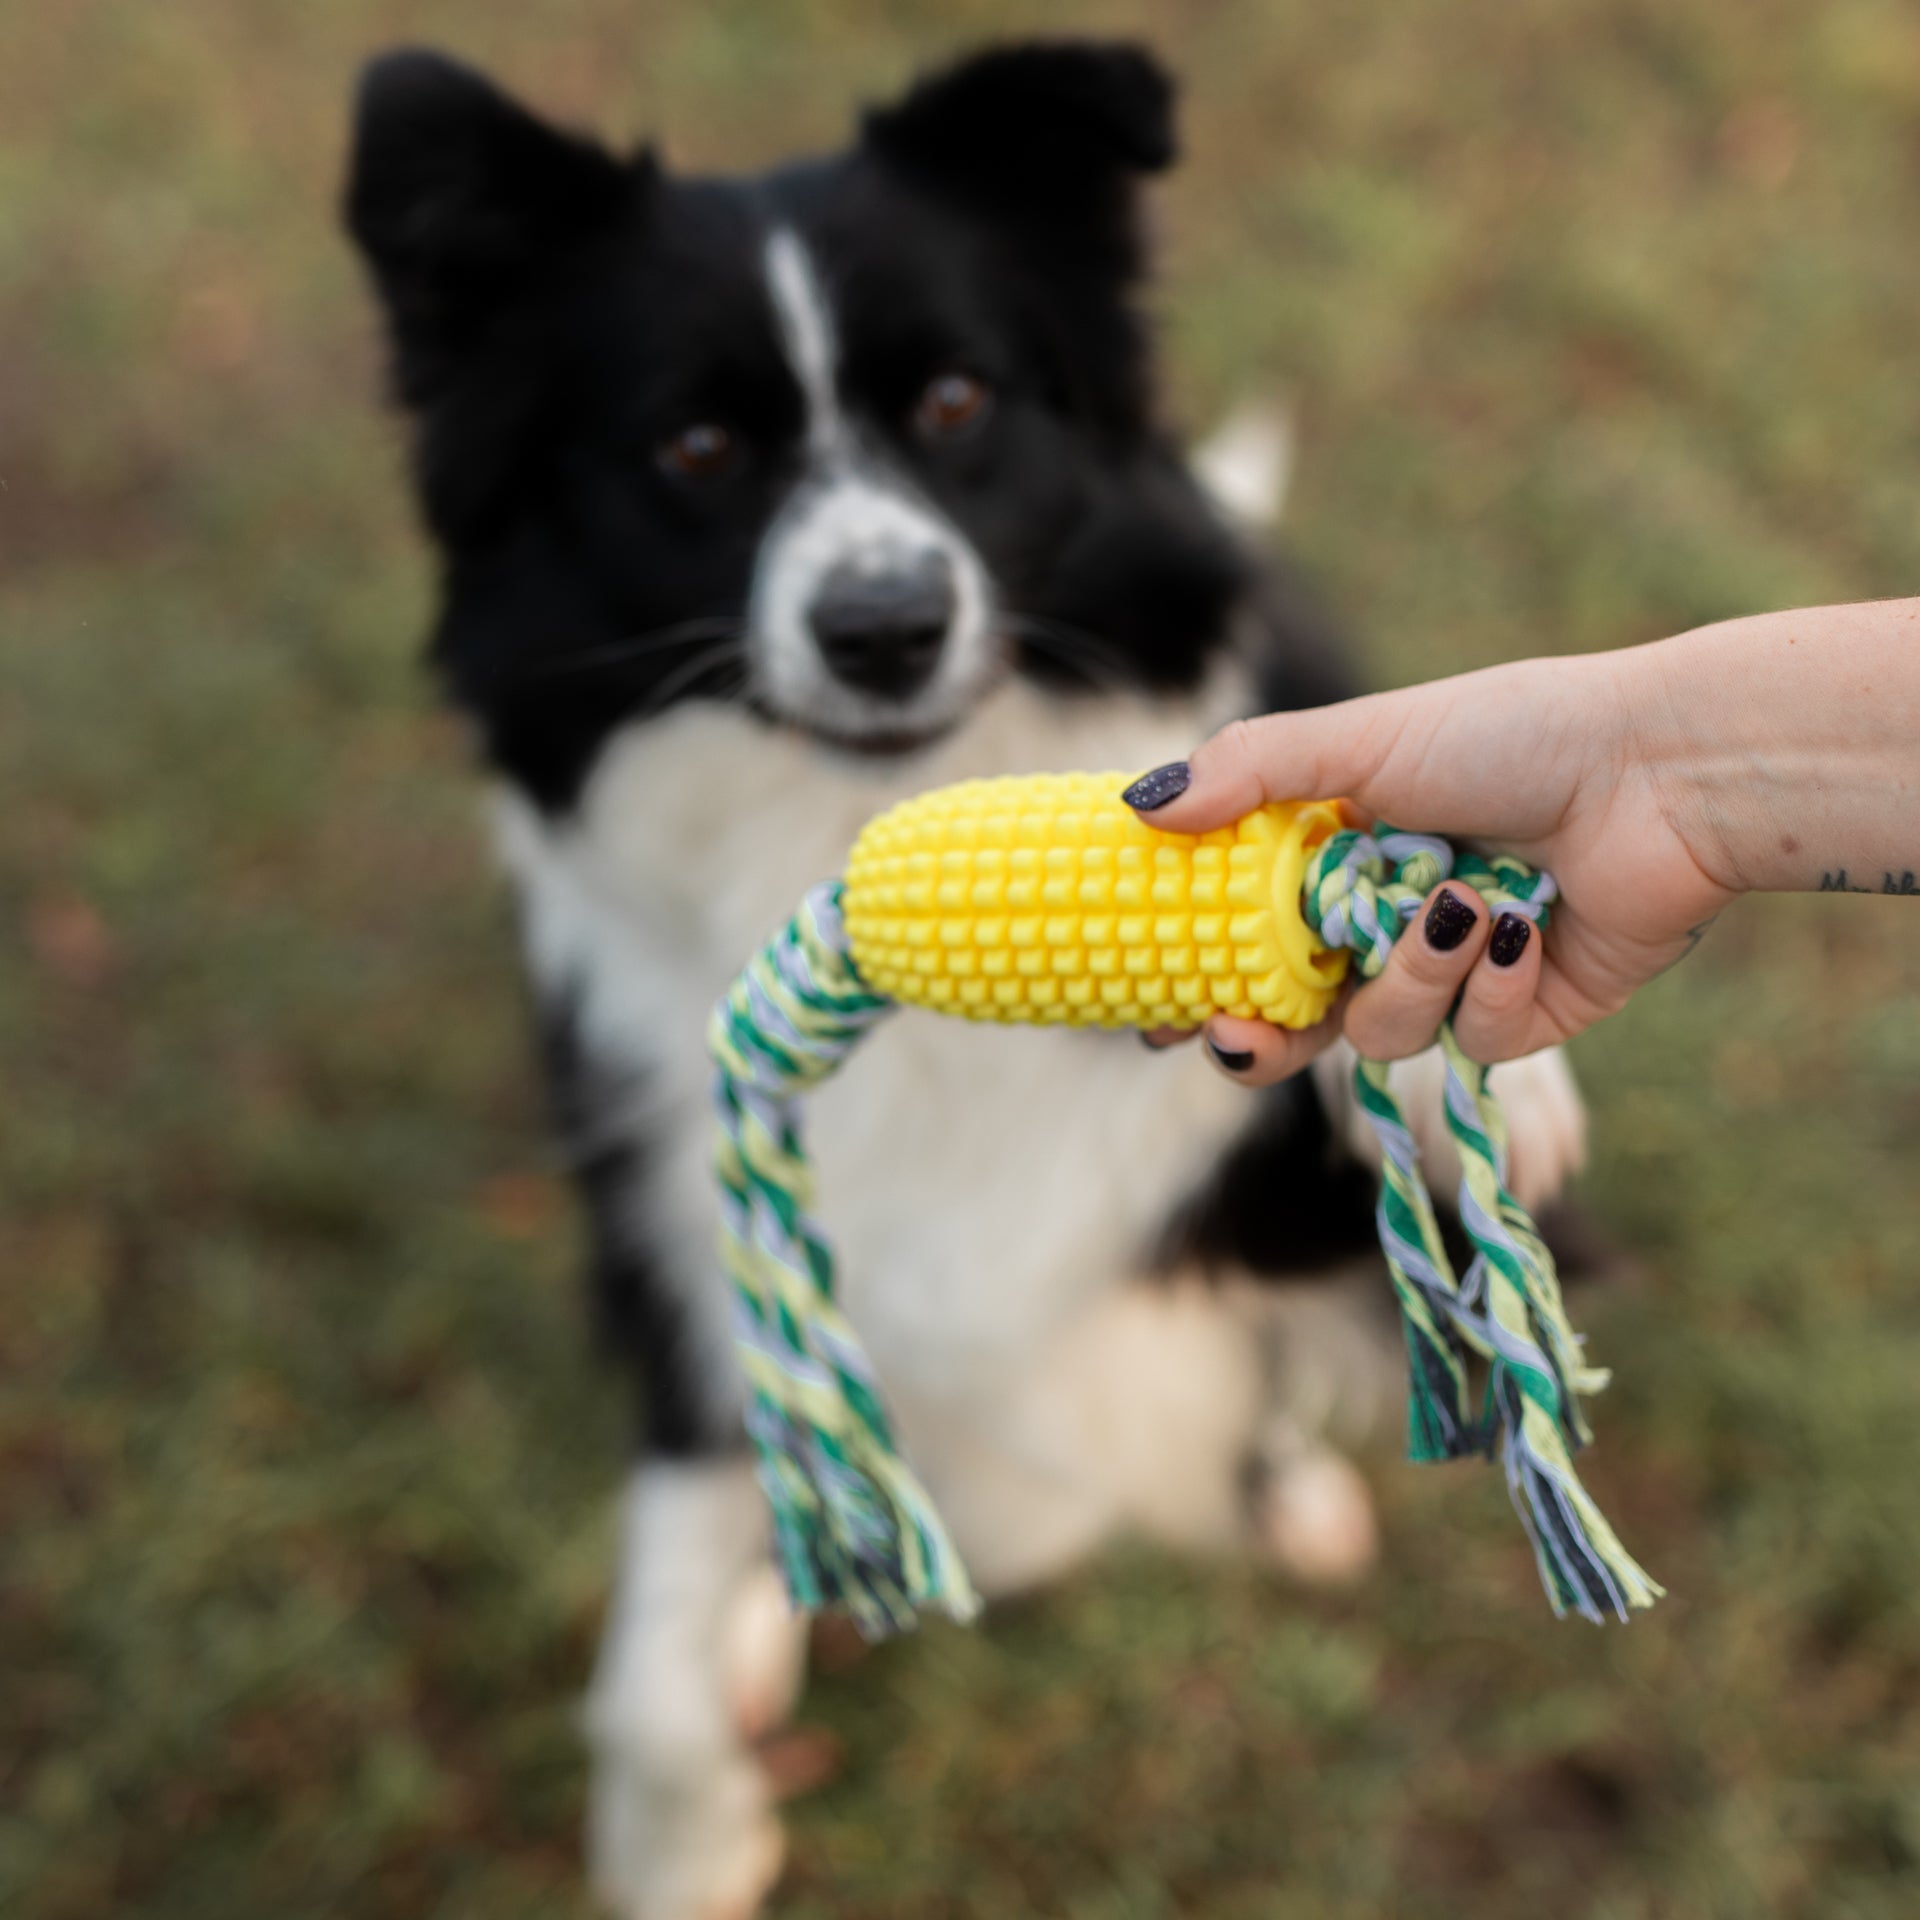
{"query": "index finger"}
(1321, 753)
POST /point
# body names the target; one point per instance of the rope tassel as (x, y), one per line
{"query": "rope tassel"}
(1362, 891)
(1045, 900)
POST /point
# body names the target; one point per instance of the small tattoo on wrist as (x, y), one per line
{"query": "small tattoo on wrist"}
(1904, 885)
(1694, 936)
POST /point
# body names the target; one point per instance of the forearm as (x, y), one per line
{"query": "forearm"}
(1788, 745)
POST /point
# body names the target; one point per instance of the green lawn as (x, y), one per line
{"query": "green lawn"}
(1602, 317)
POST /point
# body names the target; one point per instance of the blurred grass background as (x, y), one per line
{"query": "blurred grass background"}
(1602, 318)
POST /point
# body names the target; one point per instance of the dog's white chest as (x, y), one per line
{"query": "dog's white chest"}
(982, 1181)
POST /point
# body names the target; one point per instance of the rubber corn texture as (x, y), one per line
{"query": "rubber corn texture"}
(1044, 898)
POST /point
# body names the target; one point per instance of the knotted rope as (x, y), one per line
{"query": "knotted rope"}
(853, 1524)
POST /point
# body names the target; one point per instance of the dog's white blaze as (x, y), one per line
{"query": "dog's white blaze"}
(808, 334)
(849, 510)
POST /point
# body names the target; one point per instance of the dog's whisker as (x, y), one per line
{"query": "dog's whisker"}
(682, 633)
(1073, 647)
(691, 672)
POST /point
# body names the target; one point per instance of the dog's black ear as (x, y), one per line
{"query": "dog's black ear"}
(1052, 132)
(459, 197)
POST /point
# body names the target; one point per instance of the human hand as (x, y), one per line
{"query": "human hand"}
(1552, 760)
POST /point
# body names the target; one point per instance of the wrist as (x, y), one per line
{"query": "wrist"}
(1691, 736)
(1780, 748)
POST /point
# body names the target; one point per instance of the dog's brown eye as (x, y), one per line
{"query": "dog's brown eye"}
(699, 452)
(952, 402)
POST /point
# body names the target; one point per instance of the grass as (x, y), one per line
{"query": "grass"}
(1600, 317)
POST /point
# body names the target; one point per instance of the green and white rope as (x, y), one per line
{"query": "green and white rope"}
(853, 1524)
(855, 1527)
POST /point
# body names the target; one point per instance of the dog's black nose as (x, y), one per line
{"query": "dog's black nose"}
(882, 631)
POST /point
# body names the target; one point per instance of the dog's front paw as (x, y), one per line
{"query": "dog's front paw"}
(764, 1655)
(1313, 1513)
(1546, 1119)
(681, 1842)
(1546, 1125)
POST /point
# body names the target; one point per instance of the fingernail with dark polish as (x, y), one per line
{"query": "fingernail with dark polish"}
(1233, 1060)
(1509, 938)
(1155, 789)
(1449, 921)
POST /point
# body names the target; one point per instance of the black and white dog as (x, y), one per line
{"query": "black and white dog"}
(763, 502)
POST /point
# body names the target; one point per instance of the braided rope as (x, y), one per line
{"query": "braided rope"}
(1361, 891)
(852, 1523)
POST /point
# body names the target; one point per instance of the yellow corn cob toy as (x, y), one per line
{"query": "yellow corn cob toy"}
(1044, 898)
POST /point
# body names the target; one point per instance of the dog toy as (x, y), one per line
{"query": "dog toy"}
(1046, 900)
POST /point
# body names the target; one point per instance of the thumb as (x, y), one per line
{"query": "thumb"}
(1323, 753)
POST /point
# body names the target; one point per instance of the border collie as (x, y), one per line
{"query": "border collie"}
(761, 503)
